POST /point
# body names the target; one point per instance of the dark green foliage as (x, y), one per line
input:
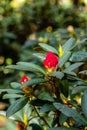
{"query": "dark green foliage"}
(52, 98)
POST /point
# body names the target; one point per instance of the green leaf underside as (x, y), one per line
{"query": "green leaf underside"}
(68, 45)
(64, 59)
(7, 96)
(16, 106)
(27, 67)
(70, 112)
(34, 82)
(48, 48)
(63, 128)
(78, 89)
(57, 74)
(11, 90)
(84, 103)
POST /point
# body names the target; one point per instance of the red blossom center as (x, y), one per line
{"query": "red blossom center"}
(51, 60)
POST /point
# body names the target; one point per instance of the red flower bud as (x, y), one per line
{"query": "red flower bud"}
(27, 90)
(24, 79)
(19, 126)
(51, 61)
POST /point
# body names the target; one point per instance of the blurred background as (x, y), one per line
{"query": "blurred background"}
(26, 23)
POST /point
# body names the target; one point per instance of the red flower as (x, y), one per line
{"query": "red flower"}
(24, 79)
(51, 61)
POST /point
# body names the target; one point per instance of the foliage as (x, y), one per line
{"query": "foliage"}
(18, 20)
(54, 98)
(54, 95)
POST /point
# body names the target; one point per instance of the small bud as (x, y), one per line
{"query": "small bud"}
(27, 90)
(61, 52)
(70, 29)
(24, 79)
(50, 62)
(19, 126)
(25, 120)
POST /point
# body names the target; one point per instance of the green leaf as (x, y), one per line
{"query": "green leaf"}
(32, 67)
(48, 48)
(11, 90)
(7, 96)
(40, 56)
(76, 81)
(9, 124)
(73, 67)
(83, 72)
(78, 56)
(84, 103)
(62, 118)
(35, 126)
(81, 42)
(78, 89)
(34, 82)
(47, 108)
(27, 110)
(15, 85)
(64, 59)
(63, 128)
(67, 46)
(57, 74)
(46, 96)
(70, 112)
(27, 67)
(16, 106)
(70, 72)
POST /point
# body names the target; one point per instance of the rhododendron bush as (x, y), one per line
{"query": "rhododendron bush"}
(54, 98)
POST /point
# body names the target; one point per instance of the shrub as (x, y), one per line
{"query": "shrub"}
(52, 96)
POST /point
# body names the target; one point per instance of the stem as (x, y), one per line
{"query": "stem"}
(41, 117)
